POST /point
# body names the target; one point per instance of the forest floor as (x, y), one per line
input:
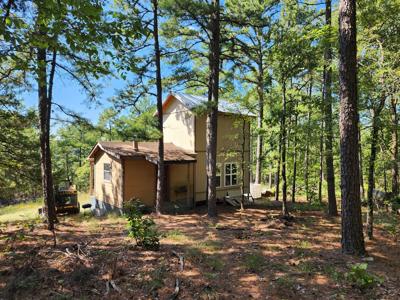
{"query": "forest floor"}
(246, 255)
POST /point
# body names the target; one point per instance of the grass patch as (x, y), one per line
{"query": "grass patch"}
(254, 262)
(314, 206)
(211, 275)
(210, 245)
(215, 263)
(20, 212)
(307, 267)
(303, 245)
(176, 235)
(195, 255)
(333, 273)
(285, 282)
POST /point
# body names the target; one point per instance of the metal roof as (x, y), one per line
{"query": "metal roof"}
(224, 106)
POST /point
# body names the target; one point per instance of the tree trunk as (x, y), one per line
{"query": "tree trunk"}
(212, 115)
(270, 180)
(243, 163)
(321, 163)
(45, 153)
(306, 159)
(360, 155)
(352, 231)
(371, 166)
(285, 211)
(395, 148)
(294, 160)
(330, 172)
(278, 168)
(260, 119)
(160, 164)
(385, 186)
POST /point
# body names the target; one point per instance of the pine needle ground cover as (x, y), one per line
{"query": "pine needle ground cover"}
(250, 254)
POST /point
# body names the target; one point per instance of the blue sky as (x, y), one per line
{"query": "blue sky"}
(70, 95)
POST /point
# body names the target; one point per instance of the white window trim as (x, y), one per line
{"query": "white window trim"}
(107, 180)
(237, 174)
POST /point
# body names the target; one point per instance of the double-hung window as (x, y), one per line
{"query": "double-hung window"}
(231, 174)
(107, 172)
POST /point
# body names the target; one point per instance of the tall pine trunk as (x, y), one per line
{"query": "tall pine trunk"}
(45, 97)
(212, 115)
(352, 231)
(285, 211)
(330, 172)
(278, 167)
(395, 147)
(360, 155)
(307, 159)
(160, 165)
(243, 166)
(260, 119)
(371, 166)
(321, 162)
(294, 159)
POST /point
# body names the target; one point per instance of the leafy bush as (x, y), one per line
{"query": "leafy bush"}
(360, 277)
(141, 228)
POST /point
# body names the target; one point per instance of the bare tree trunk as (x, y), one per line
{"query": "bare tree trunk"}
(330, 172)
(352, 231)
(285, 211)
(260, 118)
(243, 163)
(371, 166)
(278, 168)
(45, 94)
(321, 163)
(212, 115)
(395, 147)
(306, 160)
(362, 189)
(294, 159)
(269, 180)
(45, 153)
(160, 197)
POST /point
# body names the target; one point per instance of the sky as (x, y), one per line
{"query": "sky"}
(70, 95)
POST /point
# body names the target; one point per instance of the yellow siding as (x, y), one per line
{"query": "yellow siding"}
(229, 148)
(140, 180)
(108, 191)
(181, 175)
(178, 125)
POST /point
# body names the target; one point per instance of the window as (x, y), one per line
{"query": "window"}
(218, 175)
(231, 171)
(107, 172)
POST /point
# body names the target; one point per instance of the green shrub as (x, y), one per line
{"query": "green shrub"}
(361, 278)
(141, 228)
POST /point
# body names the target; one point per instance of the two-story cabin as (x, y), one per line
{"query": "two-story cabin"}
(123, 170)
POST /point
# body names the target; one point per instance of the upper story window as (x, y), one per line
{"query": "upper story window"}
(218, 175)
(107, 172)
(231, 176)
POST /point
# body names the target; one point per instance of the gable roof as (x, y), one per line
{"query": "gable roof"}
(193, 101)
(146, 150)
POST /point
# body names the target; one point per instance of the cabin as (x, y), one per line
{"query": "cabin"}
(120, 170)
